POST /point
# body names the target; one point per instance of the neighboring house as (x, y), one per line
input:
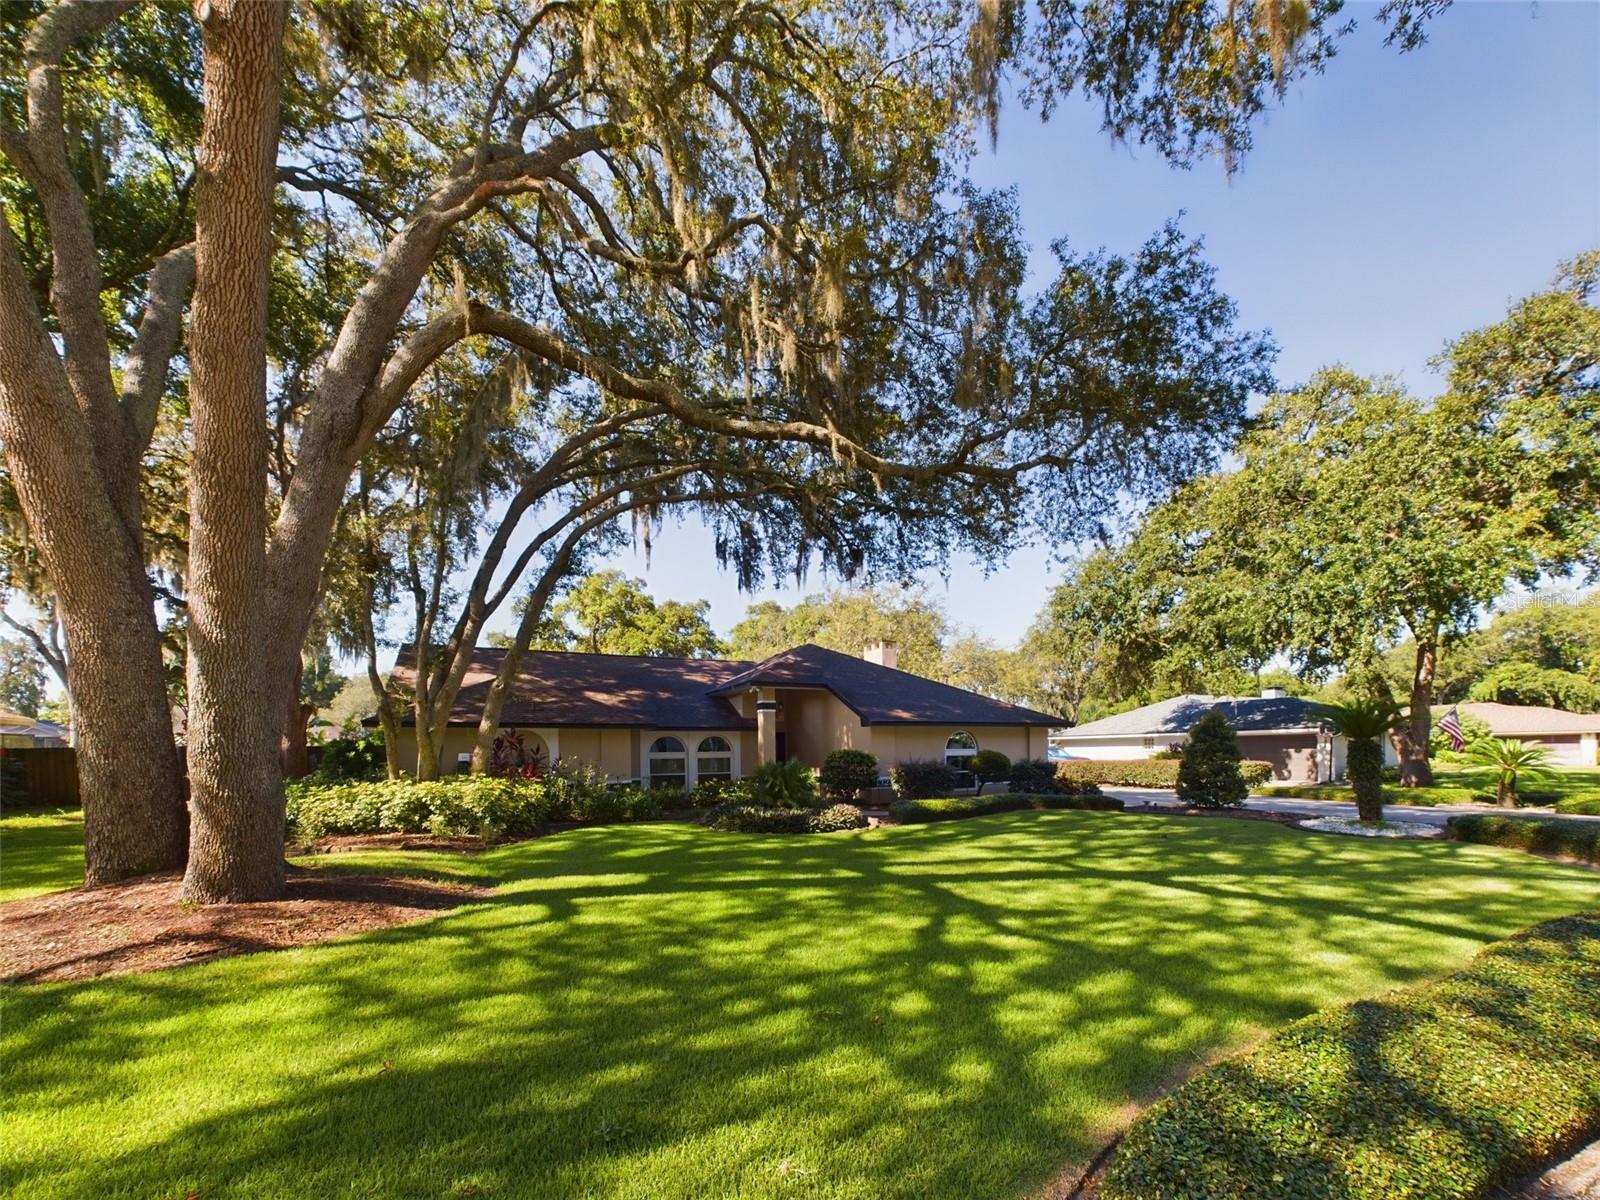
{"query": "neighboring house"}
(682, 720)
(18, 732)
(1572, 739)
(1272, 727)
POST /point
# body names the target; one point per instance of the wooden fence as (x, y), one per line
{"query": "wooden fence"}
(48, 776)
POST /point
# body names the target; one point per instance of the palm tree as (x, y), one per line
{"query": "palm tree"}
(1508, 759)
(1363, 724)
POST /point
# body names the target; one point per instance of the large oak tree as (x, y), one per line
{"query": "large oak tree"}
(746, 217)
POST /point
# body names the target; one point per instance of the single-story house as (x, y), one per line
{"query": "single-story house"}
(682, 720)
(19, 732)
(1572, 739)
(1272, 727)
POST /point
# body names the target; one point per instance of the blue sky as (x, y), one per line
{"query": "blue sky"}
(1387, 206)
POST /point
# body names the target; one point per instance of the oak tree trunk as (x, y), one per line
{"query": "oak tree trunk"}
(128, 769)
(429, 746)
(1411, 740)
(293, 755)
(236, 797)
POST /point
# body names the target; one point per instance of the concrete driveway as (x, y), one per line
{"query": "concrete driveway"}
(1435, 815)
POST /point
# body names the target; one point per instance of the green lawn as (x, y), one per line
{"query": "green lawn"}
(40, 851)
(950, 1010)
(1567, 787)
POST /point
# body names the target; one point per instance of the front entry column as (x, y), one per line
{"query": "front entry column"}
(766, 725)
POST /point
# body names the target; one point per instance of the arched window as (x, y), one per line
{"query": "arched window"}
(667, 763)
(713, 760)
(958, 751)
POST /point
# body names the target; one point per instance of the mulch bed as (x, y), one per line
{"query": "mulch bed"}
(344, 843)
(138, 926)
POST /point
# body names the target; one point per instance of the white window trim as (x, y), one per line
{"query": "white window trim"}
(965, 755)
(691, 739)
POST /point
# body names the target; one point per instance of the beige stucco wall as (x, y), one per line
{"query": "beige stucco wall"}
(902, 743)
(814, 722)
(614, 751)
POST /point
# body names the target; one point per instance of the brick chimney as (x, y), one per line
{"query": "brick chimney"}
(885, 654)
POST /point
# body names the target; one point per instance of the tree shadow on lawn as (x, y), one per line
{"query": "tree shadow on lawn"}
(953, 1010)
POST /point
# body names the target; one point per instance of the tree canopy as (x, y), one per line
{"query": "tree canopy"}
(736, 237)
(1360, 515)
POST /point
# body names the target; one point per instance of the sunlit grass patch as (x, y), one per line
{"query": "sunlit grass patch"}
(949, 1010)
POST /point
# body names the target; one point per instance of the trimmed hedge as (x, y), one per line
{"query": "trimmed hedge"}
(922, 779)
(1146, 772)
(954, 808)
(1254, 772)
(846, 774)
(1033, 776)
(1588, 804)
(838, 817)
(749, 818)
(487, 805)
(1441, 1090)
(1547, 835)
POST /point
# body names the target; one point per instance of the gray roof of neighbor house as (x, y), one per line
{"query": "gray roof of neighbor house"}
(881, 695)
(1247, 714)
(1529, 720)
(561, 689)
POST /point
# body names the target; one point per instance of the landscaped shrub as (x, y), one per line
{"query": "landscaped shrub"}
(990, 766)
(1208, 774)
(1132, 772)
(1548, 835)
(921, 778)
(709, 793)
(782, 785)
(488, 805)
(1075, 787)
(838, 817)
(1033, 776)
(847, 773)
(358, 757)
(953, 808)
(1441, 1090)
(1170, 754)
(750, 818)
(1254, 772)
(1585, 804)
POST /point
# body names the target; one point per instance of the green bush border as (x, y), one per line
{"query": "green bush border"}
(1442, 1090)
(1545, 835)
(1145, 772)
(954, 808)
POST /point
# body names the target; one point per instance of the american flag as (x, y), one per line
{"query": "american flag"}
(1450, 726)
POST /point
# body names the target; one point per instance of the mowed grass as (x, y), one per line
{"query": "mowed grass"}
(948, 1011)
(40, 851)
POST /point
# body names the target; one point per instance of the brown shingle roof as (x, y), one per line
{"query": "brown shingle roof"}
(561, 689)
(881, 695)
(556, 688)
(1509, 720)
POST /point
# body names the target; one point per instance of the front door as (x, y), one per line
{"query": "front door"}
(783, 746)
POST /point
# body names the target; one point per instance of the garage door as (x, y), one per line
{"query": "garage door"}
(1293, 756)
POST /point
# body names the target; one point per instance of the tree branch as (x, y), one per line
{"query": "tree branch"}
(144, 377)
